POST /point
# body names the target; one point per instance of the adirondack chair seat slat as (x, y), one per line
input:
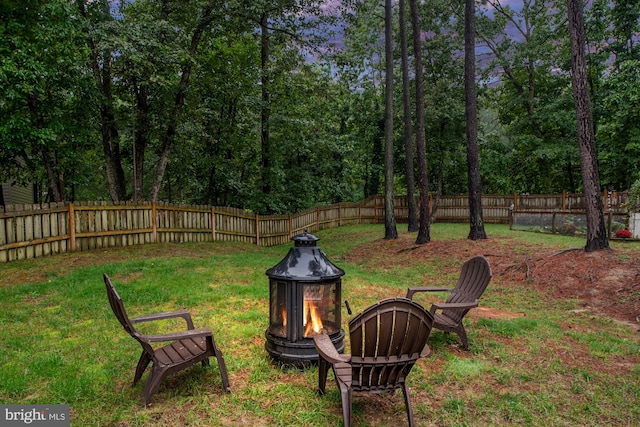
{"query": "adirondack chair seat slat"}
(181, 351)
(444, 320)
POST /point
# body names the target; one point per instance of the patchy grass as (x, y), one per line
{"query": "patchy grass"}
(536, 358)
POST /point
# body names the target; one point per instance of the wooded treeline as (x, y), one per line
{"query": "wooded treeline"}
(275, 106)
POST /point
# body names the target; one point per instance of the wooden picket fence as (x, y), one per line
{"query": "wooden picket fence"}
(30, 231)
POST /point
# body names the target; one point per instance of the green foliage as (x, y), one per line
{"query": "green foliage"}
(326, 95)
(633, 202)
(533, 101)
(618, 133)
(42, 82)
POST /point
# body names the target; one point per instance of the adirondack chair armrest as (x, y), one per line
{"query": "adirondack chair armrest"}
(415, 289)
(167, 315)
(328, 351)
(174, 336)
(453, 306)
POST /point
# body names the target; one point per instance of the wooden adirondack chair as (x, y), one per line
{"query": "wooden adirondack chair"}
(386, 341)
(474, 278)
(186, 348)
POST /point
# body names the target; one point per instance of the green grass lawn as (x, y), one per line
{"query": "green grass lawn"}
(61, 343)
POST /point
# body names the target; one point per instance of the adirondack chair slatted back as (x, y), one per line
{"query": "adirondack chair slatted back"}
(117, 306)
(473, 280)
(386, 341)
(118, 309)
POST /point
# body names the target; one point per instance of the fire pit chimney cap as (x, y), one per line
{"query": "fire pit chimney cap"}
(305, 239)
(305, 262)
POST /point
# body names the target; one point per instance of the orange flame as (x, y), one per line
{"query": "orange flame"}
(312, 319)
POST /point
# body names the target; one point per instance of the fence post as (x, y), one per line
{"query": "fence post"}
(257, 230)
(290, 226)
(213, 223)
(510, 217)
(375, 209)
(72, 228)
(154, 223)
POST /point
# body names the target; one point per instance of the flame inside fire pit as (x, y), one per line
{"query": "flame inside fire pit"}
(312, 319)
(312, 322)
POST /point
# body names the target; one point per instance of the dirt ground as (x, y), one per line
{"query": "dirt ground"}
(606, 282)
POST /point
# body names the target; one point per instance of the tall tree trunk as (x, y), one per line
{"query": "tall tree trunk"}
(169, 136)
(376, 165)
(140, 136)
(265, 109)
(476, 224)
(596, 229)
(110, 144)
(60, 177)
(390, 230)
(440, 175)
(110, 139)
(408, 128)
(424, 232)
(54, 190)
(33, 104)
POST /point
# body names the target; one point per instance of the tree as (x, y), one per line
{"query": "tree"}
(596, 230)
(476, 223)
(424, 232)
(98, 94)
(443, 68)
(613, 64)
(265, 110)
(206, 17)
(390, 230)
(360, 69)
(618, 129)
(100, 57)
(527, 48)
(281, 23)
(221, 133)
(42, 88)
(408, 125)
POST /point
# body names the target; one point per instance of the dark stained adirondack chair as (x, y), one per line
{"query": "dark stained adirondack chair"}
(185, 349)
(474, 278)
(386, 341)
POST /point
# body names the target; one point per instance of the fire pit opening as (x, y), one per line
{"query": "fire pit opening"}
(304, 299)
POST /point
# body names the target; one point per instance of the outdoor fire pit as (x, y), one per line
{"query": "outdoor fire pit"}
(304, 299)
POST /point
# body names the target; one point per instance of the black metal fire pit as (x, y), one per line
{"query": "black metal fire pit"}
(304, 298)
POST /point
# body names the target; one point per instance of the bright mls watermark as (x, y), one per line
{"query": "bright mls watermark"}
(34, 415)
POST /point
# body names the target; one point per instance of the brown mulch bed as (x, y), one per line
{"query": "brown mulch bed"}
(607, 282)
